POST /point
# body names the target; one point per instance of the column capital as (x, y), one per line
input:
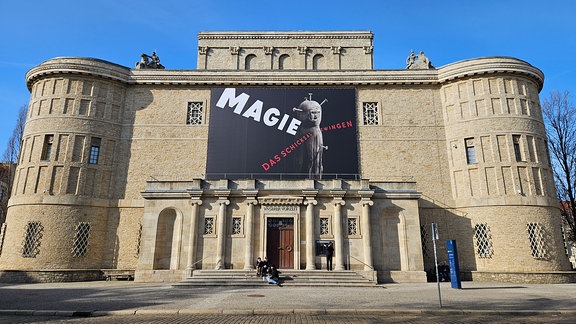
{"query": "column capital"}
(367, 202)
(196, 201)
(338, 201)
(251, 201)
(309, 201)
(224, 202)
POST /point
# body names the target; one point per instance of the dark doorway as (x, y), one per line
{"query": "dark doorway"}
(280, 242)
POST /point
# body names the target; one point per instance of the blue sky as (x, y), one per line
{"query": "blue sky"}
(543, 33)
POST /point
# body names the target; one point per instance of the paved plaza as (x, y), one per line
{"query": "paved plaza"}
(129, 302)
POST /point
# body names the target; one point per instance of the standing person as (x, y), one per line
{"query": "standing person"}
(329, 255)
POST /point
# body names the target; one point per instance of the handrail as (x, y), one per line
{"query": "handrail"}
(369, 266)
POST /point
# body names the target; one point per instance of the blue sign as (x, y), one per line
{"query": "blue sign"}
(453, 262)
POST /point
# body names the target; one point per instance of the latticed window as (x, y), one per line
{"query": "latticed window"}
(32, 238)
(536, 236)
(324, 228)
(370, 113)
(139, 240)
(424, 239)
(236, 225)
(208, 225)
(352, 226)
(94, 150)
(194, 116)
(483, 241)
(81, 240)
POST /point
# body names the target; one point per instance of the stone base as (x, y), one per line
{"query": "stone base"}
(159, 275)
(552, 277)
(401, 276)
(56, 275)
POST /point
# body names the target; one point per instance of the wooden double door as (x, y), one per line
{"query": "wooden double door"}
(280, 242)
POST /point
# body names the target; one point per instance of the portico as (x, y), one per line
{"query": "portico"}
(227, 224)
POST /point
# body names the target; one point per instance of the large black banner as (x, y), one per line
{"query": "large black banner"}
(282, 133)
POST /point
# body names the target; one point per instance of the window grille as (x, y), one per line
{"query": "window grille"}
(139, 240)
(483, 241)
(352, 226)
(370, 112)
(236, 225)
(194, 116)
(208, 225)
(32, 238)
(81, 240)
(536, 237)
(424, 239)
(324, 227)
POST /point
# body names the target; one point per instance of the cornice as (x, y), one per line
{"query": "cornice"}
(446, 74)
(489, 65)
(286, 35)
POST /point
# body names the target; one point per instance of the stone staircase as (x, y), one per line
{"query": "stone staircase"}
(308, 278)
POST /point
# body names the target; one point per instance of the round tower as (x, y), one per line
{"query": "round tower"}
(500, 171)
(59, 210)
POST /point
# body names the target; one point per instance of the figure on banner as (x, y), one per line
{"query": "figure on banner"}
(310, 159)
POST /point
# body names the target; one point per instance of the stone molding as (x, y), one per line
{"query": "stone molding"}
(445, 74)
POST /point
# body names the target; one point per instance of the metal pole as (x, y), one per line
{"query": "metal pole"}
(435, 237)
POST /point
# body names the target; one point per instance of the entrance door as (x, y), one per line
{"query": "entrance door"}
(280, 242)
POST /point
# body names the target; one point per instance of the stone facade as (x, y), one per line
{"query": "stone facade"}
(112, 173)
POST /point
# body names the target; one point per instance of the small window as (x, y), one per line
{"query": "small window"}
(483, 241)
(32, 238)
(47, 148)
(236, 225)
(94, 150)
(81, 240)
(324, 226)
(536, 237)
(353, 226)
(370, 113)
(194, 115)
(209, 226)
(517, 149)
(470, 151)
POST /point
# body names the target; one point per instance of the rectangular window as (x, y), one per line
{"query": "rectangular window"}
(194, 115)
(209, 226)
(236, 225)
(536, 238)
(32, 238)
(324, 226)
(94, 150)
(81, 240)
(470, 151)
(47, 148)
(353, 226)
(370, 113)
(483, 241)
(517, 148)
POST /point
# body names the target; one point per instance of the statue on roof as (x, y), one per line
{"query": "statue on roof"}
(149, 62)
(419, 61)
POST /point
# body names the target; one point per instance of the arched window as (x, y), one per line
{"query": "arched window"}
(250, 62)
(283, 61)
(318, 62)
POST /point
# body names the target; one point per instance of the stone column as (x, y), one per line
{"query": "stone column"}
(338, 234)
(221, 230)
(249, 232)
(366, 239)
(192, 233)
(310, 244)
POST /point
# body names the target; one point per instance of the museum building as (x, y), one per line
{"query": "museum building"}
(276, 144)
